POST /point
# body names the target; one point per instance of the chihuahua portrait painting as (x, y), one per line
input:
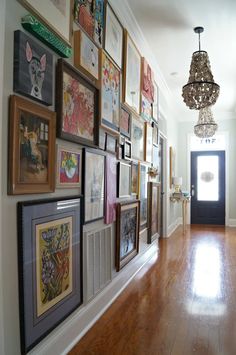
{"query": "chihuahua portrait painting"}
(32, 69)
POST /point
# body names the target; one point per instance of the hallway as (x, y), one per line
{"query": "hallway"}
(182, 302)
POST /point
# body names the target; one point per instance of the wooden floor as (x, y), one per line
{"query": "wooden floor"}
(182, 302)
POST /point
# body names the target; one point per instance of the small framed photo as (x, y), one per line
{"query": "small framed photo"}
(111, 143)
(137, 138)
(154, 201)
(125, 121)
(147, 81)
(33, 69)
(86, 54)
(110, 94)
(102, 139)
(68, 167)
(134, 178)
(127, 233)
(127, 150)
(119, 152)
(32, 140)
(124, 180)
(148, 142)
(146, 109)
(93, 184)
(49, 264)
(77, 106)
(113, 36)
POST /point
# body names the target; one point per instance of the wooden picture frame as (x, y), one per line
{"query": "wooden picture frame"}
(134, 178)
(33, 69)
(68, 167)
(124, 180)
(143, 193)
(113, 36)
(31, 148)
(111, 143)
(93, 184)
(86, 55)
(127, 232)
(125, 121)
(77, 106)
(49, 236)
(147, 81)
(137, 138)
(148, 142)
(56, 16)
(132, 74)
(110, 94)
(154, 205)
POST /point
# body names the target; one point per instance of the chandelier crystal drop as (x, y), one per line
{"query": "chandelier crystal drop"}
(201, 90)
(206, 126)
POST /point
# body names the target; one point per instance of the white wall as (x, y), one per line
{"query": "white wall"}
(228, 125)
(8, 241)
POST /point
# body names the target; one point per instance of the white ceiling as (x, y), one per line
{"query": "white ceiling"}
(168, 28)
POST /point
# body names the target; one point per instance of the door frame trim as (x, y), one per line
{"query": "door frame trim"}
(226, 134)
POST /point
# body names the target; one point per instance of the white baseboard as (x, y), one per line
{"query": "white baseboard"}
(173, 226)
(232, 222)
(65, 336)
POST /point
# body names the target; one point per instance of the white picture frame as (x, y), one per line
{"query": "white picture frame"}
(124, 175)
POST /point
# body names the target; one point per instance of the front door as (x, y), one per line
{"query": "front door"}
(208, 187)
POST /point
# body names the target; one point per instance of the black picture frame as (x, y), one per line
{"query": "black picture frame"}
(33, 69)
(65, 69)
(93, 180)
(127, 150)
(41, 224)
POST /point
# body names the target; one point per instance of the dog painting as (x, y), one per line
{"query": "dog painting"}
(32, 69)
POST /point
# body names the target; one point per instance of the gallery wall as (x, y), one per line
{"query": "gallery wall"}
(8, 241)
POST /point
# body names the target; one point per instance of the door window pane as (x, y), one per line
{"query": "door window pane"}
(208, 178)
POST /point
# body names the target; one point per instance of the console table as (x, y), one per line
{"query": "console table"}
(184, 198)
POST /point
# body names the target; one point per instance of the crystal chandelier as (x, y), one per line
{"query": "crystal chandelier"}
(206, 126)
(201, 90)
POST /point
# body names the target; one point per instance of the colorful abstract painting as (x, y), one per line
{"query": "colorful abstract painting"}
(110, 94)
(110, 206)
(54, 262)
(78, 109)
(147, 81)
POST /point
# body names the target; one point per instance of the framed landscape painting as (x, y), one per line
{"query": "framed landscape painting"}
(77, 106)
(110, 94)
(132, 74)
(127, 232)
(86, 54)
(33, 69)
(68, 167)
(147, 81)
(154, 200)
(137, 138)
(113, 36)
(31, 148)
(93, 184)
(55, 14)
(49, 264)
(125, 121)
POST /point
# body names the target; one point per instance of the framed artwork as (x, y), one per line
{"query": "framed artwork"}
(32, 148)
(49, 264)
(172, 165)
(102, 139)
(124, 180)
(113, 36)
(32, 69)
(89, 14)
(93, 184)
(55, 14)
(127, 150)
(132, 74)
(86, 54)
(134, 178)
(111, 144)
(68, 167)
(110, 94)
(146, 109)
(137, 138)
(155, 132)
(125, 121)
(77, 106)
(154, 201)
(119, 152)
(147, 82)
(155, 156)
(155, 112)
(127, 232)
(111, 179)
(148, 142)
(142, 195)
